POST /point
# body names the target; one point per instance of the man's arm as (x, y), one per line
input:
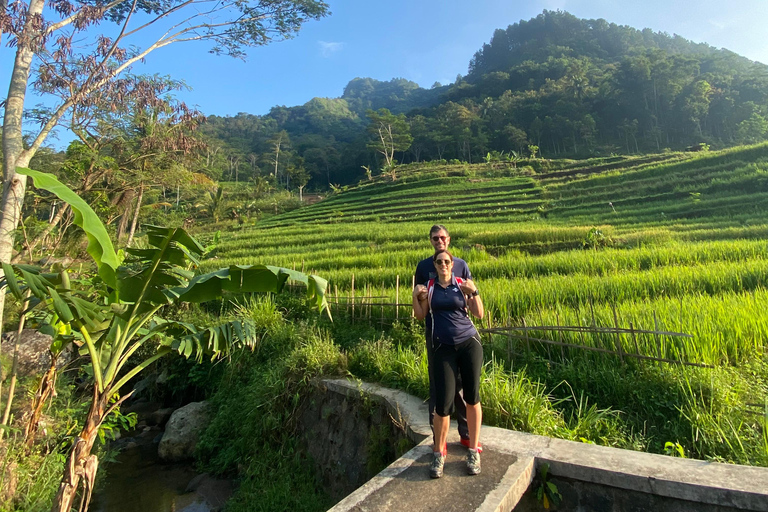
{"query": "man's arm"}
(420, 275)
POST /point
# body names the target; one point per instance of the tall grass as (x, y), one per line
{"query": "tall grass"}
(683, 250)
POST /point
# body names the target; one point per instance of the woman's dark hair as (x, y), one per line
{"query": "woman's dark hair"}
(434, 258)
(438, 227)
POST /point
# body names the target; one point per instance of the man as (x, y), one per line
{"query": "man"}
(425, 270)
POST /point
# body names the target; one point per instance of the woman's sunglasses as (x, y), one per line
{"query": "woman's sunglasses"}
(443, 262)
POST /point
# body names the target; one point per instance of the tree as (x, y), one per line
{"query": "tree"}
(517, 138)
(296, 172)
(125, 317)
(73, 60)
(389, 133)
(752, 130)
(279, 142)
(696, 103)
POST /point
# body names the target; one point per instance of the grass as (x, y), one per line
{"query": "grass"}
(682, 248)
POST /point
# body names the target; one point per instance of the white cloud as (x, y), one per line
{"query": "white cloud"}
(327, 49)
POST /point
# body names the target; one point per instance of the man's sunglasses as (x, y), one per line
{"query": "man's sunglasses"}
(437, 237)
(443, 262)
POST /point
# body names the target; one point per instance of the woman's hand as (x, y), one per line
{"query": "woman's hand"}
(468, 287)
(420, 292)
(420, 306)
(474, 302)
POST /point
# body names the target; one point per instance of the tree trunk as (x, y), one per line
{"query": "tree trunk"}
(45, 391)
(125, 203)
(15, 185)
(135, 221)
(80, 459)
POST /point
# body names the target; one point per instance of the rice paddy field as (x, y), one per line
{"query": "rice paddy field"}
(627, 252)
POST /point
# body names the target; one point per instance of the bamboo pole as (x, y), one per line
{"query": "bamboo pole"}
(604, 330)
(527, 341)
(560, 336)
(608, 351)
(618, 339)
(382, 305)
(397, 297)
(632, 331)
(336, 293)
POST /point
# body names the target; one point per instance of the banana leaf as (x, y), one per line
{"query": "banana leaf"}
(99, 244)
(252, 278)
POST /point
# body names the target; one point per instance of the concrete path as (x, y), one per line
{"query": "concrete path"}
(509, 460)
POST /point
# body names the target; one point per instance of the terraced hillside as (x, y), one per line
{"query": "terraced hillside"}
(501, 216)
(662, 242)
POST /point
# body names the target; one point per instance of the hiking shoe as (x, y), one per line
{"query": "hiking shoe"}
(436, 469)
(473, 462)
(465, 443)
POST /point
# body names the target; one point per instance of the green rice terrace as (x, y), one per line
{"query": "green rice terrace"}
(628, 252)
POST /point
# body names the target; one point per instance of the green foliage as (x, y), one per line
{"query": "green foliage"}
(596, 239)
(546, 491)
(117, 422)
(674, 449)
(253, 427)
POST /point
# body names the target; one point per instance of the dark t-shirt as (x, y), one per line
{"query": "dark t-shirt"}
(425, 271)
(452, 324)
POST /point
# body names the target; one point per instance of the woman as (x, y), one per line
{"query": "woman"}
(456, 349)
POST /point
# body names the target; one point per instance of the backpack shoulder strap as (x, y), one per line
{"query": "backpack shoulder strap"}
(430, 289)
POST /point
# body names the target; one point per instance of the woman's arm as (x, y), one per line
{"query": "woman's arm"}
(420, 306)
(475, 305)
(474, 302)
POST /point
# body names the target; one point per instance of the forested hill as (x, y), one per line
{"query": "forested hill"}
(572, 87)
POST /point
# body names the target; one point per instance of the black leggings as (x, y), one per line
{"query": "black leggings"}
(465, 359)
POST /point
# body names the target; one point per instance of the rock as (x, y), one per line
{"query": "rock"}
(33, 351)
(160, 417)
(213, 491)
(195, 482)
(182, 432)
(143, 410)
(191, 503)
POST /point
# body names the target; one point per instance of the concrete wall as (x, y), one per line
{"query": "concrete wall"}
(351, 437)
(590, 477)
(581, 496)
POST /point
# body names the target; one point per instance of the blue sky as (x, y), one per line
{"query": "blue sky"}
(420, 40)
(425, 41)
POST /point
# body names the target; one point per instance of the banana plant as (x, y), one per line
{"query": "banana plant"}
(126, 316)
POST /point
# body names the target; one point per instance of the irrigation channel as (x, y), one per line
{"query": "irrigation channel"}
(162, 485)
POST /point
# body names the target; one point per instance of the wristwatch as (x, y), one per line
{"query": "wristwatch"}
(474, 293)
